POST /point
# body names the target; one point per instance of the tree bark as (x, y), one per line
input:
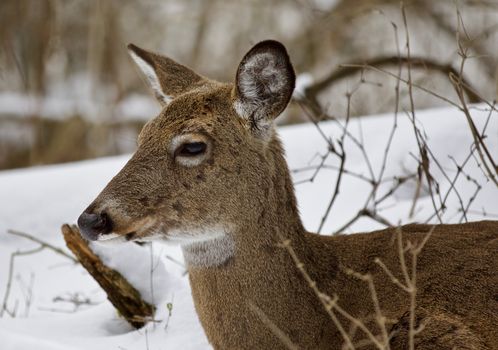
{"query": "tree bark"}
(125, 298)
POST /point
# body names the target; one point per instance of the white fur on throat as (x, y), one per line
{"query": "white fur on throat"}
(211, 247)
(209, 253)
(151, 75)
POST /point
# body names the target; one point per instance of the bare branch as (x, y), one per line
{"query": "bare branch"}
(347, 70)
(11, 273)
(43, 244)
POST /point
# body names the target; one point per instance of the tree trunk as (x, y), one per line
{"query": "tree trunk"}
(125, 298)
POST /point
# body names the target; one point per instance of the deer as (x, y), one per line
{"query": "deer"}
(209, 174)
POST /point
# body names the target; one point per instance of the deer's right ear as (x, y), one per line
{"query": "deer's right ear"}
(167, 78)
(263, 86)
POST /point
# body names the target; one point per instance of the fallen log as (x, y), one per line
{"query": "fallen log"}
(125, 298)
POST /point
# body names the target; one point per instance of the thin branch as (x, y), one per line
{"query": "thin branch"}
(327, 302)
(11, 273)
(346, 70)
(43, 244)
(272, 326)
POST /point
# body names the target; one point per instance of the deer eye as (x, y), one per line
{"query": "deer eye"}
(191, 149)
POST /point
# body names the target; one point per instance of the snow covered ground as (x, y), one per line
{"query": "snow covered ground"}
(39, 200)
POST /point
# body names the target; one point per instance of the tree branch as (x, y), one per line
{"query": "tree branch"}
(344, 71)
(125, 298)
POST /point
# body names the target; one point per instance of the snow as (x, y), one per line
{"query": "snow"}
(303, 81)
(39, 200)
(135, 262)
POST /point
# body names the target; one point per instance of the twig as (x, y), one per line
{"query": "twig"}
(379, 317)
(151, 275)
(482, 149)
(170, 258)
(346, 70)
(409, 276)
(11, 272)
(43, 244)
(327, 302)
(75, 299)
(27, 291)
(272, 326)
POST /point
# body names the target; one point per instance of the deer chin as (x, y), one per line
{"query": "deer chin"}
(189, 235)
(111, 238)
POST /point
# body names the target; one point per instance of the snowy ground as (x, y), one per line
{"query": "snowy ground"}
(39, 200)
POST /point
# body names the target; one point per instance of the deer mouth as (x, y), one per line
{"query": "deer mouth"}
(140, 230)
(130, 236)
(112, 237)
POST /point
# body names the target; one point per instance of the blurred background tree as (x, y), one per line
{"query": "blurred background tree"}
(69, 91)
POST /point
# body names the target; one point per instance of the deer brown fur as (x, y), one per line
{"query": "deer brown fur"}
(209, 173)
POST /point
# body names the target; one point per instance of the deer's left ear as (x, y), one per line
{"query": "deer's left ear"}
(167, 78)
(264, 85)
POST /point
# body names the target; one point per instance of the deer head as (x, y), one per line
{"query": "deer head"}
(207, 161)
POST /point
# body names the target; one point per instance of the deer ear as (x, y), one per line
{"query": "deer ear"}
(167, 78)
(264, 84)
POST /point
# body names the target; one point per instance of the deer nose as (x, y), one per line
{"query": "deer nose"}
(93, 225)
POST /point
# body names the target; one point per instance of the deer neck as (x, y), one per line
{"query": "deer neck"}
(248, 266)
(241, 243)
(275, 219)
